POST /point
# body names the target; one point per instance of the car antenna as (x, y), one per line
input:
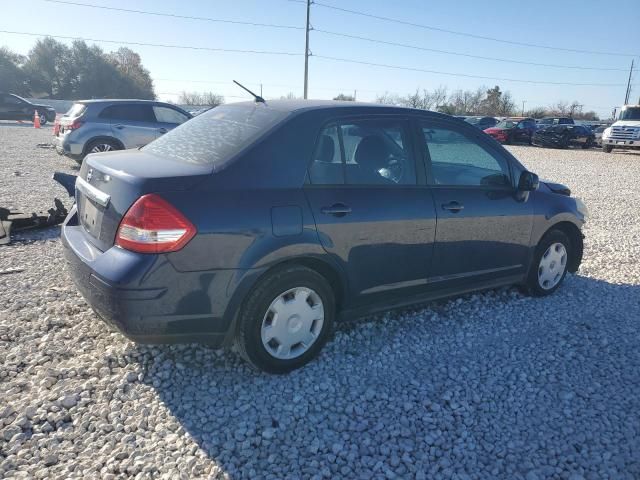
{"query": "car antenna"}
(257, 98)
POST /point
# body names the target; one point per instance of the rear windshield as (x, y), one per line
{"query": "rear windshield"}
(215, 136)
(76, 110)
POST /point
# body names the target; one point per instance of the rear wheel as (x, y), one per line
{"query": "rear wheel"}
(101, 145)
(286, 320)
(607, 148)
(549, 265)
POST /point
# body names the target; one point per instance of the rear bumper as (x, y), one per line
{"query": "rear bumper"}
(66, 146)
(145, 297)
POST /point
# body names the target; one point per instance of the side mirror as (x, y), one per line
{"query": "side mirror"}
(528, 182)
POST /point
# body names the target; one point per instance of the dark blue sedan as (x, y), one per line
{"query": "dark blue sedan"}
(261, 224)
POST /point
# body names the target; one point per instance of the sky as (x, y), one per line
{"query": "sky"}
(570, 24)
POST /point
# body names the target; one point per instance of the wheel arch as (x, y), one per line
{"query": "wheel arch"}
(102, 138)
(575, 236)
(331, 273)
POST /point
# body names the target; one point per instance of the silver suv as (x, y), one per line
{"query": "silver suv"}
(93, 126)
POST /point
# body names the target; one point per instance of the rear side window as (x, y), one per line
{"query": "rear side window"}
(169, 115)
(132, 113)
(364, 152)
(327, 168)
(458, 160)
(213, 137)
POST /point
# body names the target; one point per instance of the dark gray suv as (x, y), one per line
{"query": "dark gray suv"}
(93, 126)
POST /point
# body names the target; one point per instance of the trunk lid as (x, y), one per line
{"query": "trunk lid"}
(109, 183)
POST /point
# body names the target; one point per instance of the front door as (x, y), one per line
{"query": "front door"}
(370, 213)
(483, 229)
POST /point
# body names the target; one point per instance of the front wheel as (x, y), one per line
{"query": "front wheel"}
(607, 148)
(285, 320)
(549, 265)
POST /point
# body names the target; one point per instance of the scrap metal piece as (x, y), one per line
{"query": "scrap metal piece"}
(68, 181)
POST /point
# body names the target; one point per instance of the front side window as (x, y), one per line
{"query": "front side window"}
(13, 100)
(457, 160)
(169, 115)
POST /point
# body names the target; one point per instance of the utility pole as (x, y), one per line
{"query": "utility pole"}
(628, 93)
(523, 102)
(306, 52)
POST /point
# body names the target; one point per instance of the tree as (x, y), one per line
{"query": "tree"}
(12, 78)
(137, 78)
(47, 68)
(54, 70)
(346, 98)
(201, 99)
(290, 96)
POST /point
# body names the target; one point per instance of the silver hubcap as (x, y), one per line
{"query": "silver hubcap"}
(293, 323)
(552, 266)
(103, 147)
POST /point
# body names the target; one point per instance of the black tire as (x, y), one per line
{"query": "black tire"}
(43, 119)
(248, 338)
(588, 144)
(607, 148)
(533, 285)
(112, 144)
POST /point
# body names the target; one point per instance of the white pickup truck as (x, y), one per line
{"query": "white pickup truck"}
(625, 132)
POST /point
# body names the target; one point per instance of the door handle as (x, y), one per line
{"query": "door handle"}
(119, 127)
(454, 207)
(337, 210)
(163, 130)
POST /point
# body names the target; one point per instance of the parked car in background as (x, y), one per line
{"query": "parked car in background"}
(513, 129)
(625, 132)
(13, 107)
(564, 136)
(482, 122)
(243, 225)
(597, 132)
(93, 126)
(546, 121)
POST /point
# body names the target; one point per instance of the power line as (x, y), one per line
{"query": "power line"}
(448, 52)
(279, 85)
(398, 67)
(173, 15)
(464, 34)
(120, 42)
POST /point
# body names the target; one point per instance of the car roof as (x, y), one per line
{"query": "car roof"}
(117, 100)
(350, 108)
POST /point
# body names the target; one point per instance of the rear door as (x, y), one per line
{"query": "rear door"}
(483, 230)
(373, 216)
(168, 118)
(134, 124)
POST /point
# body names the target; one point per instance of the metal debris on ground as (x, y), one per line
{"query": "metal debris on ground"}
(11, 270)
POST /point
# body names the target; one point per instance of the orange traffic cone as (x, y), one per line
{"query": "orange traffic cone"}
(36, 120)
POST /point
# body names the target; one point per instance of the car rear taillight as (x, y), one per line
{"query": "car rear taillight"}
(74, 125)
(153, 225)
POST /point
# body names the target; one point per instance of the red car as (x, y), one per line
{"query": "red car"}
(514, 129)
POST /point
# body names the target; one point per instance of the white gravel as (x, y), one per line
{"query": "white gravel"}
(496, 385)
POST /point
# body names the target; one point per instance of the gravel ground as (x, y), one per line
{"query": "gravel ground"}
(496, 385)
